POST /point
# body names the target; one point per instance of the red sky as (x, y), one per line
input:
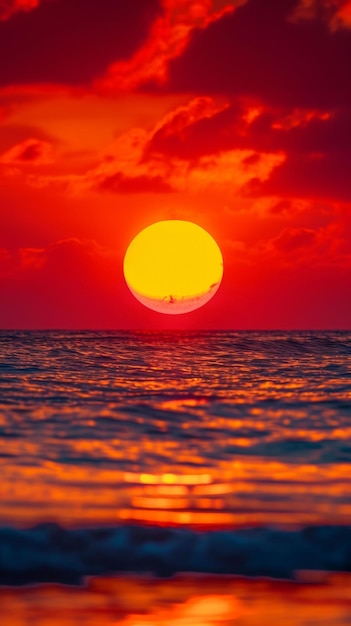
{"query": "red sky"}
(233, 114)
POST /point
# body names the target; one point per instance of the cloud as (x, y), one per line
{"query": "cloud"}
(228, 171)
(280, 266)
(65, 265)
(336, 12)
(135, 164)
(323, 176)
(343, 16)
(192, 130)
(296, 247)
(118, 183)
(168, 38)
(261, 52)
(278, 282)
(29, 152)
(315, 9)
(121, 169)
(13, 134)
(70, 283)
(9, 7)
(177, 121)
(128, 166)
(71, 41)
(284, 207)
(132, 165)
(292, 239)
(313, 145)
(244, 126)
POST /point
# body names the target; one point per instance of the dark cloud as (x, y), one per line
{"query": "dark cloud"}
(119, 183)
(31, 151)
(320, 176)
(311, 247)
(291, 239)
(71, 41)
(18, 133)
(316, 145)
(208, 135)
(282, 207)
(261, 52)
(271, 131)
(309, 133)
(81, 258)
(71, 283)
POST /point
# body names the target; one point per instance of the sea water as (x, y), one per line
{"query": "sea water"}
(164, 453)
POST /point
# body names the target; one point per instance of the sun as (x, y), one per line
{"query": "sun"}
(173, 266)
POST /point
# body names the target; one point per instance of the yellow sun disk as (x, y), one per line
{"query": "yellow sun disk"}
(173, 259)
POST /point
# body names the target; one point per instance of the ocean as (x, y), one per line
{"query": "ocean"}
(203, 473)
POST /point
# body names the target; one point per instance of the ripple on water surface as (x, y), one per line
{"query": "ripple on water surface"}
(175, 427)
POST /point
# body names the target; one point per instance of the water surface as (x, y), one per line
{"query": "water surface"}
(211, 428)
(216, 465)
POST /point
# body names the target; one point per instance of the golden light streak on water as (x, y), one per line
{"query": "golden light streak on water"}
(182, 601)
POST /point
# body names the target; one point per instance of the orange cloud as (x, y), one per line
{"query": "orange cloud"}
(295, 246)
(128, 166)
(178, 120)
(228, 171)
(29, 152)
(168, 38)
(71, 41)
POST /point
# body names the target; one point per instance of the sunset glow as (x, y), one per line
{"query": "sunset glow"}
(147, 116)
(175, 326)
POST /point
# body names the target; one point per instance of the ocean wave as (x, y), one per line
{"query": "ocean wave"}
(51, 553)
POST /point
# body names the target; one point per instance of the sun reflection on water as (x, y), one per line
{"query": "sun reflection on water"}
(252, 490)
(215, 428)
(182, 601)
